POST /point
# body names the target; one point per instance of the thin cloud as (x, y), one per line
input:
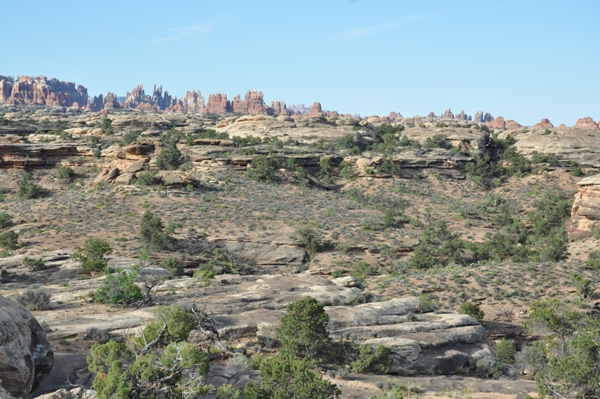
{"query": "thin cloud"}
(190, 32)
(361, 32)
(371, 30)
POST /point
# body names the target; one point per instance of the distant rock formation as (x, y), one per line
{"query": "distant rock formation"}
(218, 104)
(432, 115)
(110, 101)
(316, 110)
(543, 124)
(252, 104)
(447, 114)
(279, 108)
(510, 124)
(586, 123)
(497, 123)
(481, 118)
(41, 91)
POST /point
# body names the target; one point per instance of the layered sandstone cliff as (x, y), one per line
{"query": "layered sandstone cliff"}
(585, 214)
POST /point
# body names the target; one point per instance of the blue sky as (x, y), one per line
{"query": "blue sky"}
(522, 59)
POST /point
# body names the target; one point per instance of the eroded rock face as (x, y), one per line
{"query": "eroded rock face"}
(26, 357)
(586, 123)
(316, 110)
(497, 123)
(41, 91)
(585, 214)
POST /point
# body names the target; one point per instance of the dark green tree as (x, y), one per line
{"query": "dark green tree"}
(303, 330)
(92, 254)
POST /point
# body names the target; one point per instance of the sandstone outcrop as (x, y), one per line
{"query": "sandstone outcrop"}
(543, 124)
(586, 123)
(218, 104)
(585, 214)
(568, 144)
(497, 123)
(316, 110)
(510, 124)
(26, 357)
(252, 104)
(447, 114)
(41, 91)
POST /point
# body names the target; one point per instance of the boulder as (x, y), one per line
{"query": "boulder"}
(106, 176)
(585, 213)
(135, 167)
(26, 357)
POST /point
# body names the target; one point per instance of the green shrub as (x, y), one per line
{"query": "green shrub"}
(5, 220)
(27, 189)
(119, 288)
(158, 364)
(92, 254)
(171, 264)
(153, 231)
(169, 158)
(593, 260)
(146, 178)
(34, 299)
(130, 137)
(227, 391)
(9, 240)
(426, 304)
(64, 172)
(303, 329)
(346, 170)
(361, 270)
(505, 350)
(285, 376)
(34, 264)
(373, 360)
(571, 367)
(309, 239)
(584, 287)
(263, 168)
(325, 168)
(472, 310)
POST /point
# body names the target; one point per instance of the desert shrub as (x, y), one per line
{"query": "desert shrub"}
(346, 170)
(119, 288)
(34, 264)
(352, 143)
(92, 254)
(572, 350)
(309, 239)
(303, 329)
(64, 172)
(505, 350)
(285, 376)
(168, 158)
(394, 392)
(593, 260)
(34, 299)
(238, 362)
(171, 264)
(373, 360)
(361, 270)
(325, 168)
(9, 240)
(153, 231)
(426, 304)
(27, 189)
(487, 367)
(263, 168)
(158, 364)
(438, 245)
(5, 220)
(227, 391)
(146, 178)
(550, 158)
(472, 310)
(387, 167)
(130, 137)
(584, 287)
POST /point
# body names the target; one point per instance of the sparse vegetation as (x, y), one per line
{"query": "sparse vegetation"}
(153, 231)
(34, 299)
(92, 255)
